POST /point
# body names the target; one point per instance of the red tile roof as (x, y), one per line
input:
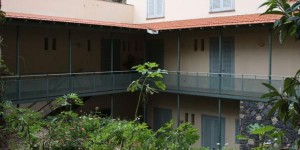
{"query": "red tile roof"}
(69, 20)
(214, 22)
(166, 25)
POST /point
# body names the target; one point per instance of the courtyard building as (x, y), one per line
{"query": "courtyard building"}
(217, 52)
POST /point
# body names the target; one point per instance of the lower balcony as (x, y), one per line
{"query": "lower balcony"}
(29, 88)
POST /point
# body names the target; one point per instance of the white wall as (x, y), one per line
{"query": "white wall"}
(190, 9)
(82, 9)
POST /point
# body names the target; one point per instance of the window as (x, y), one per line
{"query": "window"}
(45, 43)
(89, 45)
(53, 44)
(193, 119)
(156, 9)
(221, 5)
(186, 117)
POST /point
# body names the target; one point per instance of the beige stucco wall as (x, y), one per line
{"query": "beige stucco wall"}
(35, 60)
(251, 55)
(182, 9)
(198, 106)
(82, 9)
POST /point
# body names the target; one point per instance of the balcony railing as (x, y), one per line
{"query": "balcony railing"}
(233, 86)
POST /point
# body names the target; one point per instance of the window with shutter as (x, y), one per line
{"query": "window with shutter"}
(221, 5)
(155, 8)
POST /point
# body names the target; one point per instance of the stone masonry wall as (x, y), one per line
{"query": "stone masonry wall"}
(256, 112)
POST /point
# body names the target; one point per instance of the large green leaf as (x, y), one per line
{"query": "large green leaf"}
(160, 85)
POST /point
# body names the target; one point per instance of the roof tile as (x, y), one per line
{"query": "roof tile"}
(166, 25)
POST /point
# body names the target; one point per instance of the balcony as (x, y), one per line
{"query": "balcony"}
(29, 88)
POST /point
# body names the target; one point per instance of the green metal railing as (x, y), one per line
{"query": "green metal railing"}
(28, 87)
(233, 86)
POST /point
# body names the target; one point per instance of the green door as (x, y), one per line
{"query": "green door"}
(161, 117)
(155, 52)
(210, 131)
(106, 54)
(227, 62)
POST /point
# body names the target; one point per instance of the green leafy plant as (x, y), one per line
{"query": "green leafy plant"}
(180, 139)
(22, 126)
(69, 100)
(289, 23)
(287, 101)
(68, 130)
(268, 136)
(149, 82)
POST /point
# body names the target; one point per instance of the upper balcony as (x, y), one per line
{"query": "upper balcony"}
(45, 87)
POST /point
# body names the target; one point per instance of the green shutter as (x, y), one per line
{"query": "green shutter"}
(210, 131)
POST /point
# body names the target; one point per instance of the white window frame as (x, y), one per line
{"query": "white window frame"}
(221, 9)
(155, 7)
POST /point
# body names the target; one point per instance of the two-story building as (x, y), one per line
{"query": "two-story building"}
(217, 52)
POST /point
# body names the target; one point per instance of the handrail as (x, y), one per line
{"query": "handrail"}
(132, 71)
(65, 74)
(201, 82)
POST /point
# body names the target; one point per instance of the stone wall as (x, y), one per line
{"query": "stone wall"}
(256, 112)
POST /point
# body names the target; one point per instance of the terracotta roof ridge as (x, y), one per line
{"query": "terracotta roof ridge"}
(214, 17)
(242, 19)
(32, 16)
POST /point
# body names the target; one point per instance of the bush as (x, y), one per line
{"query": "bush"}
(68, 130)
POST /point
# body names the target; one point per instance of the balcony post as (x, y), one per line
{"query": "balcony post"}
(220, 122)
(18, 51)
(220, 87)
(178, 60)
(112, 74)
(178, 77)
(111, 52)
(18, 62)
(270, 53)
(70, 50)
(112, 106)
(178, 110)
(70, 60)
(144, 47)
(112, 60)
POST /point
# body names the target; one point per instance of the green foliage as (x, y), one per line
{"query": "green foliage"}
(2, 16)
(289, 23)
(3, 66)
(269, 136)
(69, 100)
(23, 125)
(287, 101)
(179, 139)
(68, 130)
(149, 82)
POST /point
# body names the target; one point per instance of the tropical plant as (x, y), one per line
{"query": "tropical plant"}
(289, 23)
(149, 82)
(68, 130)
(286, 101)
(268, 136)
